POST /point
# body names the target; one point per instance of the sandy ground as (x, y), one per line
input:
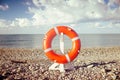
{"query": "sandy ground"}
(32, 64)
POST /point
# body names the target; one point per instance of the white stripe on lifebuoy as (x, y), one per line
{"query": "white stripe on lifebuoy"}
(47, 50)
(67, 57)
(56, 30)
(75, 38)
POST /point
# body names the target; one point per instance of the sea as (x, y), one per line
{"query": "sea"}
(36, 40)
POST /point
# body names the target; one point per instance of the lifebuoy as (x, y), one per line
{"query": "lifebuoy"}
(61, 58)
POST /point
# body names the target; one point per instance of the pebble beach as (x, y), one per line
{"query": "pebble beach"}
(98, 63)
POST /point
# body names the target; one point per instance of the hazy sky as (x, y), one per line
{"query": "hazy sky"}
(38, 16)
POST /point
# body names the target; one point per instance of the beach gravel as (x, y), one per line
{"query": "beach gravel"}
(32, 64)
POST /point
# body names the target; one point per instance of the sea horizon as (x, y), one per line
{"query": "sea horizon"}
(35, 40)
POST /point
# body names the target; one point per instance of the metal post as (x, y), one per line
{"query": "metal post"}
(57, 66)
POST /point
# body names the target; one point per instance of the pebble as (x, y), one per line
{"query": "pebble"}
(112, 75)
(19, 69)
(90, 66)
(78, 60)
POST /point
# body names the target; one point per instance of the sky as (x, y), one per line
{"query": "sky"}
(38, 16)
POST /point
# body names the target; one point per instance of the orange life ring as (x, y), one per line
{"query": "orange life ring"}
(61, 58)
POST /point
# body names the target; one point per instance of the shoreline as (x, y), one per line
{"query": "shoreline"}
(32, 64)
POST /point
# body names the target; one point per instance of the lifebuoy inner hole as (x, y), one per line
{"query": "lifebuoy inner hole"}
(56, 44)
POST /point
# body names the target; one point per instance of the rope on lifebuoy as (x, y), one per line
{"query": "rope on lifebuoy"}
(47, 50)
(67, 57)
(56, 31)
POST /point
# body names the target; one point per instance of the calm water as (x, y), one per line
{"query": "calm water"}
(35, 40)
